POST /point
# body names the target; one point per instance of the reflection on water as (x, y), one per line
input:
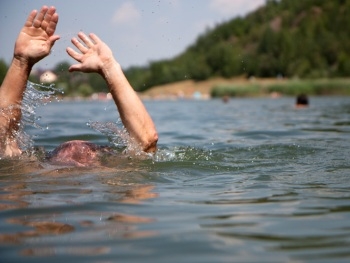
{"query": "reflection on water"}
(55, 200)
(251, 180)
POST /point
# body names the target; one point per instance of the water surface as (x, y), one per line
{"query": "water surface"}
(252, 180)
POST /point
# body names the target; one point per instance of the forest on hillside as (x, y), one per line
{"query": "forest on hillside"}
(305, 39)
(308, 39)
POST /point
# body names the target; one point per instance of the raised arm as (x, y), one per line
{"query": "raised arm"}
(33, 43)
(96, 56)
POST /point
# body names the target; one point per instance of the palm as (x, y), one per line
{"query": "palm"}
(36, 37)
(33, 44)
(95, 57)
(89, 61)
(93, 53)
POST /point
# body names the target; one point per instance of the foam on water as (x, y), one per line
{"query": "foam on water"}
(179, 154)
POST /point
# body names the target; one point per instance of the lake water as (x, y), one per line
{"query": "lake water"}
(251, 180)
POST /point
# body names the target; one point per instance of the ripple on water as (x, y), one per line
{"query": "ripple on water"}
(246, 195)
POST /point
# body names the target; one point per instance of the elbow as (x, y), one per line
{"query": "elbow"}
(150, 145)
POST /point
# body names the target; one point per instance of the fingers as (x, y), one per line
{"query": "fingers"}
(30, 18)
(53, 39)
(83, 49)
(87, 41)
(52, 23)
(74, 54)
(48, 17)
(76, 67)
(40, 17)
(95, 38)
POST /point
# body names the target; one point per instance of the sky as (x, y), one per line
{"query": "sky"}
(137, 31)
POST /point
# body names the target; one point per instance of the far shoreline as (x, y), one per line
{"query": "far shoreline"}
(252, 87)
(235, 87)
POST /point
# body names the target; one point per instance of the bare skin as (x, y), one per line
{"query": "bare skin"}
(33, 44)
(96, 56)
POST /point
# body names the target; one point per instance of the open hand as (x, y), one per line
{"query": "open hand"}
(37, 36)
(94, 54)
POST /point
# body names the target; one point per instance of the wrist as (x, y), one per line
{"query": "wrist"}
(22, 63)
(110, 67)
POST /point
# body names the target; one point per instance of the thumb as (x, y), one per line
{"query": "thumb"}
(76, 67)
(53, 39)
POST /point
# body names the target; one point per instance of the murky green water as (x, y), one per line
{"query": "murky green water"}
(253, 180)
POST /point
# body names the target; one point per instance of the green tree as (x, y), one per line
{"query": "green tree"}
(85, 90)
(138, 77)
(96, 82)
(344, 65)
(224, 60)
(308, 39)
(64, 77)
(3, 70)
(69, 81)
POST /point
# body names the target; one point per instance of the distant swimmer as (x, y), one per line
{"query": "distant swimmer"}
(35, 42)
(302, 101)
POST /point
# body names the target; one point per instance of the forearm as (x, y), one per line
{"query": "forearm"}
(132, 112)
(14, 84)
(11, 94)
(96, 56)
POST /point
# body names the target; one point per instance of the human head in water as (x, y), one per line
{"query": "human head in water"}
(77, 153)
(35, 42)
(302, 101)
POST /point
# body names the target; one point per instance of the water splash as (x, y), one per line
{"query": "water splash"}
(119, 137)
(182, 154)
(114, 131)
(34, 96)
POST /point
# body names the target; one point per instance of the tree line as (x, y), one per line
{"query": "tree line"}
(306, 39)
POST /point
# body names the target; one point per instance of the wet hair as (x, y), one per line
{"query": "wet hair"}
(77, 153)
